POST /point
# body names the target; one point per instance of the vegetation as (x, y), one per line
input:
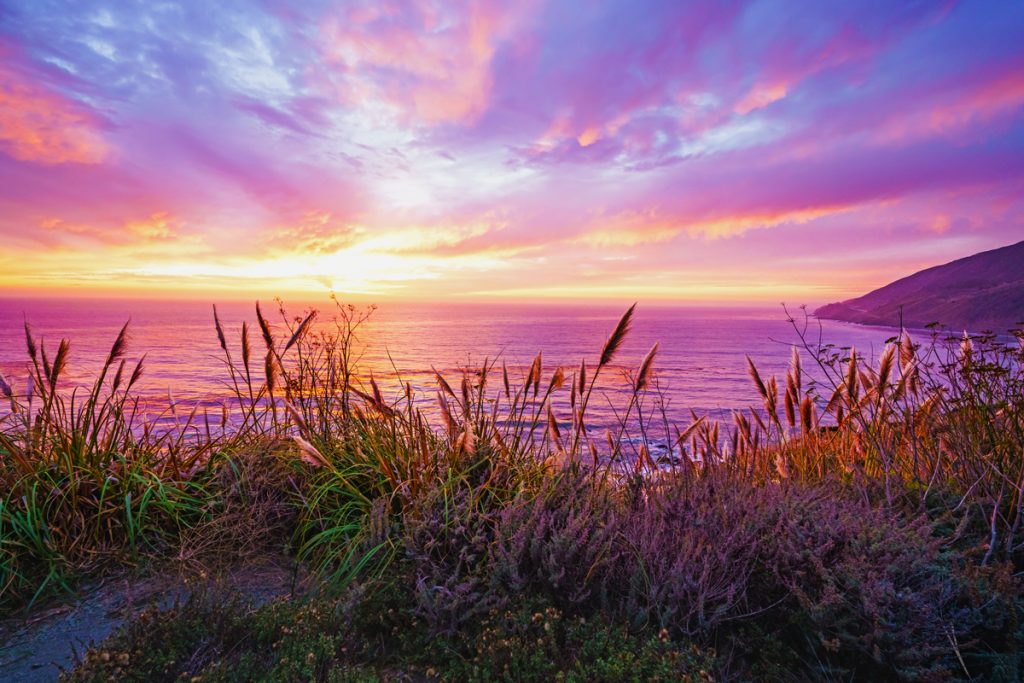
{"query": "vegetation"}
(863, 525)
(366, 638)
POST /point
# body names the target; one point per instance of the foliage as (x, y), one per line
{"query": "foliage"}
(558, 540)
(210, 638)
(863, 523)
(543, 644)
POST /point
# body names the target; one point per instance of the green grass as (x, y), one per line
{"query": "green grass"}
(498, 506)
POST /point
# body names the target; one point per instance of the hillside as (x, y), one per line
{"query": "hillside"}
(980, 292)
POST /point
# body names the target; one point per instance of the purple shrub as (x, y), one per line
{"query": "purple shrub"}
(446, 536)
(559, 540)
(846, 588)
(688, 552)
(871, 587)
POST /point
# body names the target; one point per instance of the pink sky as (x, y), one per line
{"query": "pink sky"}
(697, 151)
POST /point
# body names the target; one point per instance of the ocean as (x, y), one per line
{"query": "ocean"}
(700, 366)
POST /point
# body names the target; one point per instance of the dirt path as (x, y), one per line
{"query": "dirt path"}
(34, 648)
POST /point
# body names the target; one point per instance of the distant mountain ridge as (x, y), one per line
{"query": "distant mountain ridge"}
(980, 292)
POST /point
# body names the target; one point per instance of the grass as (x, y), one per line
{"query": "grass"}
(864, 524)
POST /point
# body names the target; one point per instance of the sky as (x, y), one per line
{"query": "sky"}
(699, 151)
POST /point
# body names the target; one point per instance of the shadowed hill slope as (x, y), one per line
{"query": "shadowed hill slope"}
(980, 292)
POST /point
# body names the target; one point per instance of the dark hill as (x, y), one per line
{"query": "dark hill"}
(980, 292)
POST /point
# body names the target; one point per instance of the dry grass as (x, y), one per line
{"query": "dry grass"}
(324, 461)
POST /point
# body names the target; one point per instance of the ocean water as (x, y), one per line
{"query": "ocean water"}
(701, 363)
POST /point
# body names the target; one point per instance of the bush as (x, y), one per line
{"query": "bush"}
(214, 638)
(557, 541)
(446, 535)
(868, 593)
(535, 643)
(368, 636)
(689, 550)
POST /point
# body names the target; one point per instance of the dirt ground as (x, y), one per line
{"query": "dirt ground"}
(36, 646)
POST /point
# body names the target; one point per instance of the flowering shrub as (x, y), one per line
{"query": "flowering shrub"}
(535, 643)
(688, 553)
(446, 538)
(558, 541)
(869, 591)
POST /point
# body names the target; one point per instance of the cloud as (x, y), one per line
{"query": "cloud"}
(434, 148)
(40, 125)
(970, 103)
(158, 227)
(429, 60)
(761, 95)
(314, 232)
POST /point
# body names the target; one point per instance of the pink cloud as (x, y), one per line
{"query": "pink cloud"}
(314, 232)
(42, 126)
(633, 228)
(761, 95)
(979, 99)
(431, 60)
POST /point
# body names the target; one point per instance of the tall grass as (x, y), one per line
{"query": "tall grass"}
(493, 488)
(81, 479)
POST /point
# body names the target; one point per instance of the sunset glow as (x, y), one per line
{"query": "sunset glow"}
(697, 151)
